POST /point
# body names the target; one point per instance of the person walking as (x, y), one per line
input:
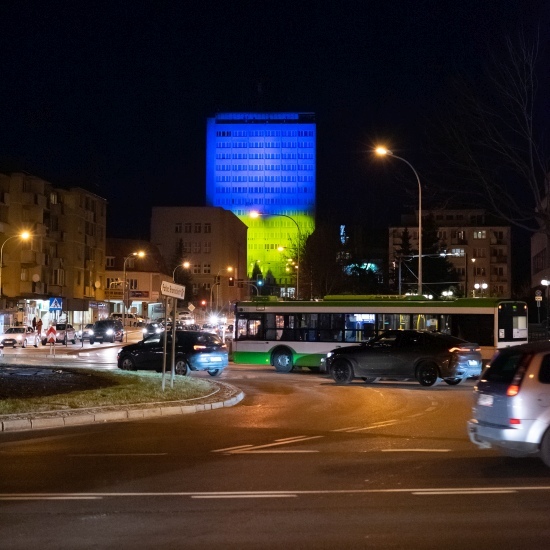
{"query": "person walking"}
(39, 326)
(34, 323)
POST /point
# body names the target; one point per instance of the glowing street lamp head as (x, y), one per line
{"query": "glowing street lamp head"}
(382, 151)
(25, 235)
(139, 254)
(254, 214)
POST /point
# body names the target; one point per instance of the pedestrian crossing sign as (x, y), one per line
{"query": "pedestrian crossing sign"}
(56, 304)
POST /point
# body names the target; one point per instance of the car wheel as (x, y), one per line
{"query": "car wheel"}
(73, 340)
(44, 341)
(214, 372)
(454, 381)
(370, 380)
(24, 343)
(36, 342)
(428, 374)
(92, 341)
(181, 367)
(282, 361)
(342, 372)
(127, 363)
(545, 448)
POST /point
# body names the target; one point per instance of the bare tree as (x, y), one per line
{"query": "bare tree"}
(495, 143)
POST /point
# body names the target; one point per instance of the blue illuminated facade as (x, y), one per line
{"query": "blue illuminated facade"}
(265, 162)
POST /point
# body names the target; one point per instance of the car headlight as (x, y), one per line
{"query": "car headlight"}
(330, 354)
(110, 331)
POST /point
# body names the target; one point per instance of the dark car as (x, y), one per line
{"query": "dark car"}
(152, 328)
(86, 332)
(511, 409)
(428, 357)
(107, 330)
(198, 351)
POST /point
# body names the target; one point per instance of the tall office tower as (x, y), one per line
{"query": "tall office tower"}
(264, 164)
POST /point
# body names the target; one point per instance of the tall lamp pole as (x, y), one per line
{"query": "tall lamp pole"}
(25, 235)
(125, 294)
(382, 151)
(255, 214)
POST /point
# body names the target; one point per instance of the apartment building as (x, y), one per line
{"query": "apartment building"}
(62, 260)
(478, 248)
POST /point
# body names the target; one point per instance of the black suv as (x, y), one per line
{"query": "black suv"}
(107, 330)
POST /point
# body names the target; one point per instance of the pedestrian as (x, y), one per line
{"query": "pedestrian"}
(34, 323)
(39, 327)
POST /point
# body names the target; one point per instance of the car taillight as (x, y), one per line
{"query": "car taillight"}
(465, 350)
(514, 421)
(513, 388)
(197, 347)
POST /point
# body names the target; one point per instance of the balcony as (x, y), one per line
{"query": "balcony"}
(28, 257)
(501, 259)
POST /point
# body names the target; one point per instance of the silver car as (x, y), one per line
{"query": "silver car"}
(511, 409)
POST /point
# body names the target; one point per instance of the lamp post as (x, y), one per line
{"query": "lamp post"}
(382, 151)
(546, 283)
(255, 214)
(139, 254)
(184, 265)
(25, 235)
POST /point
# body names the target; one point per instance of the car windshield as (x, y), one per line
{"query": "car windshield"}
(103, 324)
(15, 330)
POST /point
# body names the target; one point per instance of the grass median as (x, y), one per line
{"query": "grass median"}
(65, 389)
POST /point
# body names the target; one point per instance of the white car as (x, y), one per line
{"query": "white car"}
(64, 333)
(20, 336)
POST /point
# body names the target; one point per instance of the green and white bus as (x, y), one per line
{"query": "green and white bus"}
(286, 334)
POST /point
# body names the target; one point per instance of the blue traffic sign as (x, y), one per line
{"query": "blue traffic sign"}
(56, 304)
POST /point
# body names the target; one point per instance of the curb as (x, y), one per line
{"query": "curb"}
(120, 415)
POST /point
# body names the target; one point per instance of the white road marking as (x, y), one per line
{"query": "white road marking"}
(118, 454)
(250, 449)
(416, 450)
(265, 494)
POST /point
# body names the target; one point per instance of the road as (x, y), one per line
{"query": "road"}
(299, 463)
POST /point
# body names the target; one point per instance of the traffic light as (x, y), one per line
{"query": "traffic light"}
(231, 281)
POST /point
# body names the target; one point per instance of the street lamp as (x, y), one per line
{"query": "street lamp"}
(382, 151)
(255, 214)
(481, 287)
(218, 284)
(25, 235)
(184, 265)
(125, 294)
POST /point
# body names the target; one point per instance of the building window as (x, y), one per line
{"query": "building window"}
(110, 262)
(186, 247)
(132, 284)
(479, 253)
(178, 228)
(197, 247)
(207, 249)
(197, 228)
(208, 228)
(196, 269)
(187, 228)
(481, 234)
(206, 269)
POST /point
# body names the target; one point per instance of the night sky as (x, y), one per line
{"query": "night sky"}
(113, 96)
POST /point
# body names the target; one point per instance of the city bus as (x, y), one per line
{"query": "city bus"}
(288, 334)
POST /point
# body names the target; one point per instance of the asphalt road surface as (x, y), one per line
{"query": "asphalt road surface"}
(299, 463)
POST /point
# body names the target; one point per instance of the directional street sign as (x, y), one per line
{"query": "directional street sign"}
(172, 290)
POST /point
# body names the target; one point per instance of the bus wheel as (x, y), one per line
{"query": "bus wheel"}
(282, 361)
(342, 372)
(428, 374)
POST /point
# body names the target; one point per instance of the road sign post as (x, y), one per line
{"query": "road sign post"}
(177, 292)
